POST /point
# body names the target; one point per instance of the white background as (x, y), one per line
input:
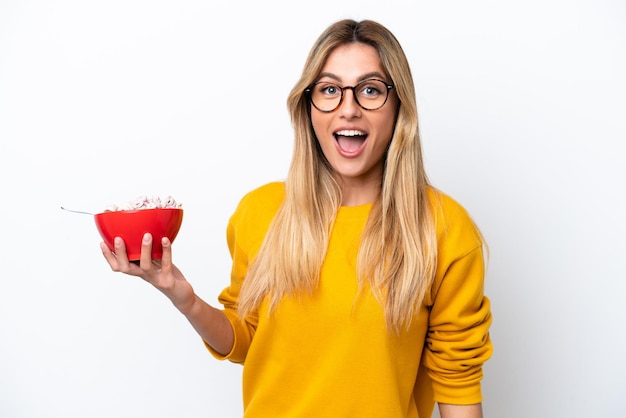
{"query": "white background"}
(522, 113)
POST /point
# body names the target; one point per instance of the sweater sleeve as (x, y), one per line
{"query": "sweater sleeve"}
(244, 234)
(457, 341)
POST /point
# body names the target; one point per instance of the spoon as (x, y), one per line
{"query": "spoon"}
(76, 211)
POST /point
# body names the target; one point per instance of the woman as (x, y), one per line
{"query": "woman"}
(356, 287)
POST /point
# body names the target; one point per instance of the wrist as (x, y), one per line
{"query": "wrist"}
(188, 306)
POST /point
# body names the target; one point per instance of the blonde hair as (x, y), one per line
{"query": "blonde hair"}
(398, 251)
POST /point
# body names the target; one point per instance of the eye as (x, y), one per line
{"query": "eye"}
(371, 88)
(328, 89)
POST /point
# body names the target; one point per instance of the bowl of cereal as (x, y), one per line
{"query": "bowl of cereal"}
(161, 217)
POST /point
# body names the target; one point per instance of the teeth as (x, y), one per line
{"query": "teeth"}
(350, 132)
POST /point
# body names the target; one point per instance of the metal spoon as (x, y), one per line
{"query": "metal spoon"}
(77, 211)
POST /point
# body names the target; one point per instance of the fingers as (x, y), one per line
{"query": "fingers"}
(117, 258)
(145, 261)
(121, 257)
(147, 268)
(108, 255)
(166, 258)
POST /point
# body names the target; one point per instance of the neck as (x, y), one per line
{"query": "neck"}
(359, 194)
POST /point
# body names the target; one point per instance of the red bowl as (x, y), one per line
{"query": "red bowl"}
(131, 225)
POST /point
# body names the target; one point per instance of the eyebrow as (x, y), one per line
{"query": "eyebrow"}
(367, 76)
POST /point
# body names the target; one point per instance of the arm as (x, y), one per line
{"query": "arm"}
(460, 411)
(457, 341)
(209, 322)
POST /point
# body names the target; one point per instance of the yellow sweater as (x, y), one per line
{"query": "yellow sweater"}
(331, 355)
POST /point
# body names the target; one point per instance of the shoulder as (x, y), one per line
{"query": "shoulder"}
(453, 221)
(269, 195)
(259, 206)
(460, 252)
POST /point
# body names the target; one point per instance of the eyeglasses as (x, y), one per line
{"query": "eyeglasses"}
(370, 94)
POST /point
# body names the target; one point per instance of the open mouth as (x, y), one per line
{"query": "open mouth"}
(350, 140)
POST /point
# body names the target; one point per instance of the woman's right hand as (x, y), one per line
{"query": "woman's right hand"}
(209, 322)
(161, 273)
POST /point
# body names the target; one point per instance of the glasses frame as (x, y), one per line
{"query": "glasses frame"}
(309, 93)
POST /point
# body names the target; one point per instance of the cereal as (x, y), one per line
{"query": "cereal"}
(145, 202)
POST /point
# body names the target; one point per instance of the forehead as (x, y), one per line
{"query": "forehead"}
(351, 62)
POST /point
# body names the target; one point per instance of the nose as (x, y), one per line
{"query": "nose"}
(349, 108)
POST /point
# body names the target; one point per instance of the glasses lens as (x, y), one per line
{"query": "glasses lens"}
(326, 96)
(369, 94)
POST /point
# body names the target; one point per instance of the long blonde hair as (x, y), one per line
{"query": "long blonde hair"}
(398, 251)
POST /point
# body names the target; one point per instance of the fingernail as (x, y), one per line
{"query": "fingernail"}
(146, 238)
(117, 242)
